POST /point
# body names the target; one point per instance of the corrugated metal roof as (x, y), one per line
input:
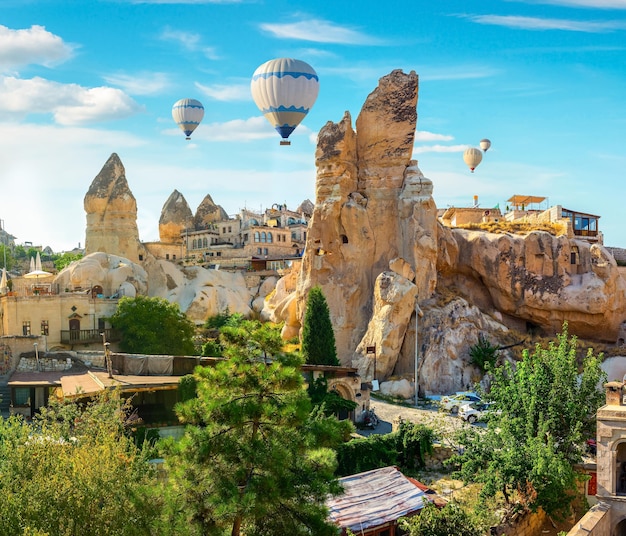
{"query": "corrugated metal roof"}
(375, 498)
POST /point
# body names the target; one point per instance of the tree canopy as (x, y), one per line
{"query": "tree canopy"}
(75, 471)
(153, 326)
(318, 337)
(254, 459)
(546, 409)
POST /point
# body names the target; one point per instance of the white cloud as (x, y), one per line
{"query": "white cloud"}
(70, 104)
(537, 23)
(140, 84)
(32, 46)
(457, 72)
(319, 31)
(439, 149)
(239, 130)
(190, 41)
(598, 4)
(423, 135)
(223, 92)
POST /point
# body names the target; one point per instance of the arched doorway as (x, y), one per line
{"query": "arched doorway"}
(620, 528)
(74, 329)
(344, 392)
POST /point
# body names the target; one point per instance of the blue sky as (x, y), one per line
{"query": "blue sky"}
(545, 80)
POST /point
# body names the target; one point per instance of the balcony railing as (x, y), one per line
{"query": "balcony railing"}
(88, 336)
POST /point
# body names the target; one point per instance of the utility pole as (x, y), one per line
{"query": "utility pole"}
(418, 314)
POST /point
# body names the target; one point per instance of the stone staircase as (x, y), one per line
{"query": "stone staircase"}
(5, 396)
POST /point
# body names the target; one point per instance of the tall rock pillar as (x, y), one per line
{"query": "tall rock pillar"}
(112, 213)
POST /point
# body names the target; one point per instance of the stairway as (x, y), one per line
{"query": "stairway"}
(5, 396)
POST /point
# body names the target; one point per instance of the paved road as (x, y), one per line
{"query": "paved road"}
(442, 423)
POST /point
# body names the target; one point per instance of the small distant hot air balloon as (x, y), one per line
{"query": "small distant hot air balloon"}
(485, 144)
(188, 113)
(284, 90)
(472, 157)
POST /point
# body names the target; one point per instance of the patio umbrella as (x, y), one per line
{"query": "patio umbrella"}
(3, 282)
(35, 269)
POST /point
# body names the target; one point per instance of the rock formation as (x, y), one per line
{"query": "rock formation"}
(175, 217)
(112, 213)
(375, 247)
(208, 212)
(374, 209)
(536, 281)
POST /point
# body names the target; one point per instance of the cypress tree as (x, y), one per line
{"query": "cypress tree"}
(318, 337)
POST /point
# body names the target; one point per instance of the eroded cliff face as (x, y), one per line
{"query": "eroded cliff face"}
(538, 280)
(373, 206)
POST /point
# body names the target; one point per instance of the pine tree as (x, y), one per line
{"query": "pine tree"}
(318, 338)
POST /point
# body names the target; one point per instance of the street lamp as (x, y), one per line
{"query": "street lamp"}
(418, 313)
(107, 354)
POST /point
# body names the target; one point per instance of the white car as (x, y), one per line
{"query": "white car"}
(454, 402)
(475, 411)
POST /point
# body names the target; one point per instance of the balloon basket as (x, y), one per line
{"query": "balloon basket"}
(285, 142)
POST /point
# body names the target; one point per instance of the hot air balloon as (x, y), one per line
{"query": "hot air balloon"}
(472, 157)
(188, 113)
(284, 90)
(485, 144)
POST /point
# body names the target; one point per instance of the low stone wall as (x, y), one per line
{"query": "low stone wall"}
(523, 524)
(596, 522)
(43, 364)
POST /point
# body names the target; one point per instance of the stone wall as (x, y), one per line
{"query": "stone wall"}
(43, 364)
(596, 522)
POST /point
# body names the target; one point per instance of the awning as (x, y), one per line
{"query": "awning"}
(525, 199)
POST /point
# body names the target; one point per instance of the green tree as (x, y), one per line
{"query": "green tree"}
(318, 337)
(253, 459)
(65, 259)
(547, 409)
(153, 326)
(483, 354)
(75, 471)
(451, 520)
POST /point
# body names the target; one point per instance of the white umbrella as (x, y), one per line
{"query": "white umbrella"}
(3, 282)
(35, 270)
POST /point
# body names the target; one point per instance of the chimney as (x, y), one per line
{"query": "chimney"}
(614, 393)
(475, 201)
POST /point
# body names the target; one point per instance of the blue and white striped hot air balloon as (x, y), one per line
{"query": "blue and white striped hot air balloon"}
(285, 90)
(188, 113)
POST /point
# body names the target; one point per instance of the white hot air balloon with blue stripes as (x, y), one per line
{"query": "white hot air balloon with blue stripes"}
(285, 90)
(188, 113)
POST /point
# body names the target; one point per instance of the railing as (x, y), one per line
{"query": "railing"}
(87, 336)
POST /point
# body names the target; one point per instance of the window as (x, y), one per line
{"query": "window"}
(204, 242)
(263, 237)
(167, 256)
(245, 237)
(174, 257)
(259, 251)
(44, 327)
(230, 229)
(101, 324)
(218, 254)
(223, 230)
(26, 327)
(140, 257)
(257, 236)
(21, 396)
(193, 244)
(269, 237)
(265, 251)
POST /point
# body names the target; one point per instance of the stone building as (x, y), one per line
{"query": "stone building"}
(608, 516)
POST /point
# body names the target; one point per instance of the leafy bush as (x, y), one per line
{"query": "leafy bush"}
(483, 354)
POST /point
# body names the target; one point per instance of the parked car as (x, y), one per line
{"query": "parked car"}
(454, 402)
(475, 411)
